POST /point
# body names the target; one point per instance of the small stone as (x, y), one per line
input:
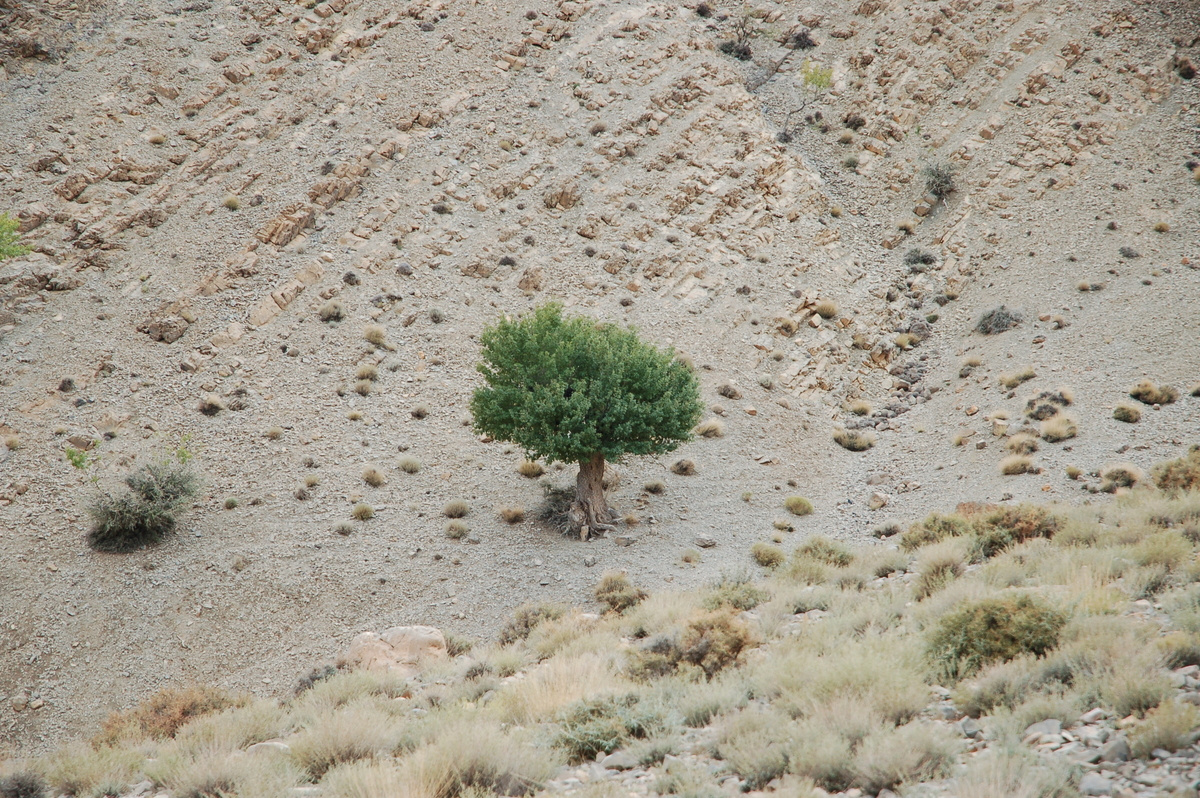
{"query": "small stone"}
(19, 702)
(588, 562)
(1050, 726)
(705, 543)
(970, 728)
(1093, 715)
(1095, 784)
(619, 760)
(624, 540)
(878, 500)
(972, 410)
(1116, 751)
(37, 703)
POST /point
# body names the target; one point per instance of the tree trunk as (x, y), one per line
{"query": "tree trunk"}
(589, 515)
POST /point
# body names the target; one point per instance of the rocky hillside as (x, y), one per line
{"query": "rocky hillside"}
(223, 198)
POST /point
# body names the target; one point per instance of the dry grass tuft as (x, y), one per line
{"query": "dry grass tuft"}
(798, 505)
(684, 468)
(311, 481)
(373, 477)
(615, 590)
(713, 428)
(1120, 475)
(1022, 443)
(767, 556)
(530, 469)
(826, 308)
(12, 442)
(456, 509)
(1012, 379)
(1170, 726)
(1147, 392)
(273, 433)
(512, 515)
(854, 440)
(164, 713)
(859, 407)
(333, 310)
(1127, 413)
(1018, 464)
(366, 372)
(363, 387)
(210, 405)
(654, 486)
(1060, 428)
(409, 465)
(419, 412)
(456, 530)
(362, 512)
(1181, 474)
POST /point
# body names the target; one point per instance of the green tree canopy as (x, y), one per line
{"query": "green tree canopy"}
(575, 390)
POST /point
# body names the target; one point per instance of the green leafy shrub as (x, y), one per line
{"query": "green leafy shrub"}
(992, 630)
(598, 725)
(145, 513)
(9, 235)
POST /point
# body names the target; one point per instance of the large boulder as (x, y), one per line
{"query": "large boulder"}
(405, 650)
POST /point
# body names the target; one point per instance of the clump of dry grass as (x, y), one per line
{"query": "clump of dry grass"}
(1170, 726)
(455, 509)
(859, 407)
(1018, 464)
(161, 715)
(366, 372)
(1181, 474)
(854, 440)
(12, 442)
(419, 412)
(376, 335)
(231, 202)
(273, 433)
(333, 310)
(826, 308)
(1022, 443)
(654, 486)
(363, 387)
(767, 556)
(211, 404)
(373, 477)
(684, 468)
(530, 469)
(513, 514)
(1149, 393)
(798, 505)
(712, 428)
(1060, 428)
(1012, 379)
(456, 530)
(690, 557)
(615, 590)
(729, 391)
(1161, 227)
(1120, 475)
(311, 481)
(1127, 413)
(362, 512)
(409, 465)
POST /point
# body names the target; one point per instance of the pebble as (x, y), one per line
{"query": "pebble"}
(1095, 784)
(705, 542)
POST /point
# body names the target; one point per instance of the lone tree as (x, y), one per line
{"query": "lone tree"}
(577, 391)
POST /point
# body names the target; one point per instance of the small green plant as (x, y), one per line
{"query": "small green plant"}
(615, 590)
(10, 233)
(231, 503)
(991, 630)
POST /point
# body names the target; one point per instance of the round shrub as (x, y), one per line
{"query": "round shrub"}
(992, 630)
(798, 505)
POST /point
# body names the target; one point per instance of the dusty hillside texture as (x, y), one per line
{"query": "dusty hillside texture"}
(199, 179)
